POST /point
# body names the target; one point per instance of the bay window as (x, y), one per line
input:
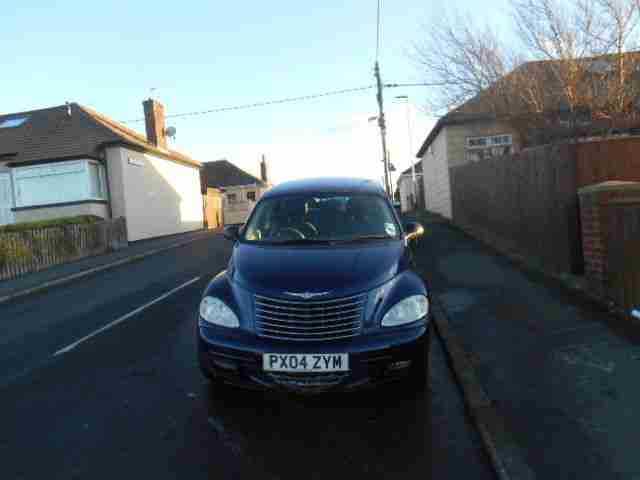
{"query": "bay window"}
(60, 182)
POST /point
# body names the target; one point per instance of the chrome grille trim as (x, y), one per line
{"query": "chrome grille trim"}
(307, 319)
(312, 328)
(314, 320)
(260, 304)
(310, 302)
(305, 334)
(300, 312)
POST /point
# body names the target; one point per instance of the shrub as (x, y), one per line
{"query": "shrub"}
(22, 253)
(56, 222)
(4, 254)
(14, 252)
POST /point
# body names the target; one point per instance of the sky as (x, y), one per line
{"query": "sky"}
(202, 54)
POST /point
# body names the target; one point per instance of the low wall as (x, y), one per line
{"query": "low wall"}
(35, 214)
(610, 219)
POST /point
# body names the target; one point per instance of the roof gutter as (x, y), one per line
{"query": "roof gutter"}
(152, 151)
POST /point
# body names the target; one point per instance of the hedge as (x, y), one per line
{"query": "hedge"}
(56, 222)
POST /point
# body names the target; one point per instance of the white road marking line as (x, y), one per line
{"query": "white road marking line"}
(70, 347)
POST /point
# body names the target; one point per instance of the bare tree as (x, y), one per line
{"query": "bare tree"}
(589, 44)
(469, 60)
(622, 17)
(577, 63)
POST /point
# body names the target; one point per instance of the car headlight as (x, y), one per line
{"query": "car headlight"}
(214, 310)
(409, 310)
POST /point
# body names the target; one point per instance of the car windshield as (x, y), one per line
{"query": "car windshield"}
(321, 218)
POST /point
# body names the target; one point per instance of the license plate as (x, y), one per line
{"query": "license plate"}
(305, 362)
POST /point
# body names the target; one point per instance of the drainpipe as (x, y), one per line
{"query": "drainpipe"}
(106, 180)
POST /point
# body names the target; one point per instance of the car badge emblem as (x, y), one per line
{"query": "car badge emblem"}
(307, 295)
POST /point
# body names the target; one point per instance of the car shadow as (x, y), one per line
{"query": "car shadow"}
(383, 431)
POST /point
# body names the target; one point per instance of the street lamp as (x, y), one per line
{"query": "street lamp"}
(411, 162)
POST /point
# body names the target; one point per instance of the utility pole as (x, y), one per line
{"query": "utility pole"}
(383, 129)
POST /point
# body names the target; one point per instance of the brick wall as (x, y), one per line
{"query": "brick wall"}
(596, 231)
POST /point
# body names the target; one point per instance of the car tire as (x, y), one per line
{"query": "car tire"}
(418, 378)
(214, 383)
(215, 386)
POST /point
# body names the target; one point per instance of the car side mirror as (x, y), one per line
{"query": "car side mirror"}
(232, 232)
(413, 230)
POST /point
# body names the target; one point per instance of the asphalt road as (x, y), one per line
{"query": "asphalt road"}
(130, 402)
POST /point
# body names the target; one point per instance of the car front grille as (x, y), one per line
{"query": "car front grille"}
(309, 320)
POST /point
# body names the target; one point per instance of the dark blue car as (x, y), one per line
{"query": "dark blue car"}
(319, 294)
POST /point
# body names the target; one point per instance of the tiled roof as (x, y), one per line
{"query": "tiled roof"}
(52, 133)
(222, 173)
(545, 70)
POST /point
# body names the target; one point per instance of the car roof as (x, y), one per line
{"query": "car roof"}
(326, 185)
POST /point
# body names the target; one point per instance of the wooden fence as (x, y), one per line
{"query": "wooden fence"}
(623, 252)
(525, 202)
(612, 159)
(37, 249)
(528, 202)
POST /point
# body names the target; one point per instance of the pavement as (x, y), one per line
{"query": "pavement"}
(129, 400)
(560, 373)
(34, 281)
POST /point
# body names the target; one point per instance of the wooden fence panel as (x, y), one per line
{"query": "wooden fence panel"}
(525, 202)
(613, 159)
(33, 250)
(623, 253)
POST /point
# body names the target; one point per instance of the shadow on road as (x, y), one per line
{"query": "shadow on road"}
(382, 432)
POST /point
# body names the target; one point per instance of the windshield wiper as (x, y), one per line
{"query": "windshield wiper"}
(365, 238)
(302, 241)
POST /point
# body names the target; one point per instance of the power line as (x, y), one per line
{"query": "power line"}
(261, 104)
(290, 100)
(435, 84)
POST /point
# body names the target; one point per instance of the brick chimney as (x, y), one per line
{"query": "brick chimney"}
(154, 122)
(263, 170)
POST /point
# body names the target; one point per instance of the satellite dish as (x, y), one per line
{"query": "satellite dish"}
(170, 132)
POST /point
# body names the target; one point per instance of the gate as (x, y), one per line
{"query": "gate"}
(213, 209)
(623, 250)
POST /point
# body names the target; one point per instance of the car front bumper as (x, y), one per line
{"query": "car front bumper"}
(235, 357)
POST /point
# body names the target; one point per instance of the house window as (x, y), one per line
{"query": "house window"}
(232, 198)
(479, 148)
(97, 181)
(251, 196)
(60, 182)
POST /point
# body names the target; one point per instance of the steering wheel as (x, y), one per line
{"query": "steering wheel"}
(297, 234)
(311, 230)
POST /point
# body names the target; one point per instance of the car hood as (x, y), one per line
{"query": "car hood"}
(340, 270)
